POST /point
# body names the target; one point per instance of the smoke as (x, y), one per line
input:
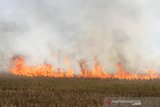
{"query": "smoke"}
(45, 31)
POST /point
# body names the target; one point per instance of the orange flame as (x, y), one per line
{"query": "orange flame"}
(20, 68)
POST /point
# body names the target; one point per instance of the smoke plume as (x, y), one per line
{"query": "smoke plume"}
(45, 31)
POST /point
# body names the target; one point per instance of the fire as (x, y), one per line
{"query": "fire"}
(59, 73)
(98, 71)
(69, 73)
(20, 68)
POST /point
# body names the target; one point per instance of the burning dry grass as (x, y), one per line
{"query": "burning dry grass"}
(22, 69)
(19, 91)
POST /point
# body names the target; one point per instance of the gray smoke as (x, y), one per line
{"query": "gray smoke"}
(45, 31)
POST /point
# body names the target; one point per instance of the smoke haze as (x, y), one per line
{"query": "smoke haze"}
(45, 31)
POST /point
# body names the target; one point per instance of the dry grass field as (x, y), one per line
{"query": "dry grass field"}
(19, 91)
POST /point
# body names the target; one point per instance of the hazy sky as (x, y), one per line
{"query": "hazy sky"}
(125, 31)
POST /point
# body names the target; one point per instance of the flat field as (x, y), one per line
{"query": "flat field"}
(19, 91)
